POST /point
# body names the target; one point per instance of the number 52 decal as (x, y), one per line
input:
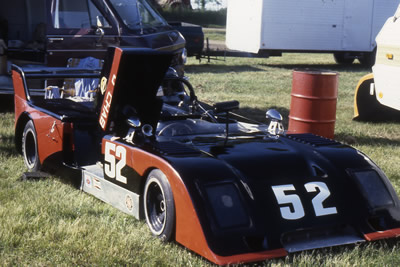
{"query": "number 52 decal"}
(294, 200)
(111, 167)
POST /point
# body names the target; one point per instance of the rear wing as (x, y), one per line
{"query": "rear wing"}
(129, 78)
(22, 76)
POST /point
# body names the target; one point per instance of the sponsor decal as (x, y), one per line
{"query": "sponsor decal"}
(105, 110)
(97, 183)
(103, 85)
(88, 181)
(129, 202)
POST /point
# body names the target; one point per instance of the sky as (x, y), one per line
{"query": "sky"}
(213, 6)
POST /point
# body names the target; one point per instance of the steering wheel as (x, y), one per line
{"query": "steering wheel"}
(192, 95)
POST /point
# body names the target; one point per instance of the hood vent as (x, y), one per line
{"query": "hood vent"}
(175, 149)
(312, 139)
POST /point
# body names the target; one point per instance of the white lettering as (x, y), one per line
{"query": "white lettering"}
(102, 122)
(105, 110)
(109, 158)
(291, 206)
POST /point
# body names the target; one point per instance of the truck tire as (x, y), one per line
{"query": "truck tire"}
(342, 58)
(368, 59)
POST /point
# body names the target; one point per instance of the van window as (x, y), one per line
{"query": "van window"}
(20, 19)
(77, 14)
(137, 14)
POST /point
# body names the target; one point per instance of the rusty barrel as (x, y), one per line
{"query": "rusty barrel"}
(313, 102)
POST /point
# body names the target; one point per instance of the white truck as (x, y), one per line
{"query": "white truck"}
(346, 28)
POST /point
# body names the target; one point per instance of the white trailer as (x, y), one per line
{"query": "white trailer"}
(346, 28)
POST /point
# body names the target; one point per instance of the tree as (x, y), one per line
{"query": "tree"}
(202, 3)
(185, 4)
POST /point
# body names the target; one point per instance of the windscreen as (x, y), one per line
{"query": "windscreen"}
(137, 14)
(76, 14)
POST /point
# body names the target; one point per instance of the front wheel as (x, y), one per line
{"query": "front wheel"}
(30, 147)
(159, 206)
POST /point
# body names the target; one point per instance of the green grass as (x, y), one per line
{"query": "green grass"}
(49, 222)
(215, 34)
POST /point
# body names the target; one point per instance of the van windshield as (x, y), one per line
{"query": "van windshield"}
(137, 14)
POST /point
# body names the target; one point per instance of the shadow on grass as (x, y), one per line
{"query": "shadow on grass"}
(331, 252)
(331, 67)
(205, 68)
(6, 103)
(382, 115)
(366, 140)
(7, 146)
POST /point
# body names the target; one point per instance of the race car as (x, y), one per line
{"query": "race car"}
(226, 187)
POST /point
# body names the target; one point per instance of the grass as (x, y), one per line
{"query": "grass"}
(214, 34)
(49, 222)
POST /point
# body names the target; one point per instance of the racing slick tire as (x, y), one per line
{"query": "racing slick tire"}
(30, 147)
(159, 206)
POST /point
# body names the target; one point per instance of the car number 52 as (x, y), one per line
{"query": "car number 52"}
(112, 168)
(297, 211)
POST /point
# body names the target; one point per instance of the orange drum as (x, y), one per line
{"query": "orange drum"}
(313, 104)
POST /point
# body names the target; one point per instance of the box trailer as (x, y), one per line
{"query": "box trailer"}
(346, 28)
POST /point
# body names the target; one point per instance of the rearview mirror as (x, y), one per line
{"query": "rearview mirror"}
(99, 21)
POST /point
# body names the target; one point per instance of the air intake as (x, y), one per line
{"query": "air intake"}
(312, 139)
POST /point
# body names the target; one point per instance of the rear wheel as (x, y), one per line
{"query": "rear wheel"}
(342, 58)
(159, 206)
(30, 147)
(368, 59)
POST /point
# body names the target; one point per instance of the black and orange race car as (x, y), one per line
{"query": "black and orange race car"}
(225, 187)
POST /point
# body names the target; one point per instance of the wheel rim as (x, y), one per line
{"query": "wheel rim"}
(30, 149)
(156, 207)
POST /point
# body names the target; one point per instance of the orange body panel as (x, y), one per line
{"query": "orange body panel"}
(19, 95)
(49, 130)
(188, 229)
(382, 234)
